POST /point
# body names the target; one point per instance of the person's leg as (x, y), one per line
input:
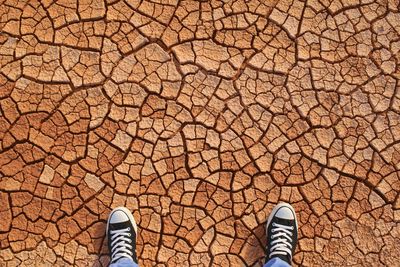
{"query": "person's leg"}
(276, 262)
(281, 236)
(124, 262)
(121, 234)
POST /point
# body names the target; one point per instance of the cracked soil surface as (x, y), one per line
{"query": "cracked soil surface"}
(199, 116)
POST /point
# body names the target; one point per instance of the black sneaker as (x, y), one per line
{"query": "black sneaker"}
(282, 233)
(121, 233)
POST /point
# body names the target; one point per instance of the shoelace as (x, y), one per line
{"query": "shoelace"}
(281, 241)
(120, 244)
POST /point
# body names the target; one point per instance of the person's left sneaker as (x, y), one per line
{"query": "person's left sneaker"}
(121, 233)
(282, 233)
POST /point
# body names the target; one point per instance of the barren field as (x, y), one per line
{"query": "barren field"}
(199, 116)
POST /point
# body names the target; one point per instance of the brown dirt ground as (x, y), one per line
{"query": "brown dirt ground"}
(199, 116)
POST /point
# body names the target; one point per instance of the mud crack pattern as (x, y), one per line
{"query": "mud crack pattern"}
(199, 116)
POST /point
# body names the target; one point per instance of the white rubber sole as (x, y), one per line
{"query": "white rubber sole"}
(128, 213)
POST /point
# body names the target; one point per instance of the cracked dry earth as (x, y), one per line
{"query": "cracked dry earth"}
(199, 116)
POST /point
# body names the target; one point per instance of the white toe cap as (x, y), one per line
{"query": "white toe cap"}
(119, 216)
(285, 213)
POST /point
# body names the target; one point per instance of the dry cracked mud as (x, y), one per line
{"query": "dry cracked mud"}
(199, 116)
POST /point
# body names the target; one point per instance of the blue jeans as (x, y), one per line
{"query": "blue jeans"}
(124, 262)
(276, 262)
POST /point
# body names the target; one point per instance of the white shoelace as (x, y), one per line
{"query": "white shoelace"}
(120, 244)
(281, 241)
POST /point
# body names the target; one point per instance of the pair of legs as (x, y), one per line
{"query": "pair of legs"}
(281, 237)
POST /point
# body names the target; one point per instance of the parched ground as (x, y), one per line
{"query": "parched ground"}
(199, 116)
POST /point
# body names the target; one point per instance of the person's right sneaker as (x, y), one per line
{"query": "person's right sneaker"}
(282, 233)
(121, 233)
